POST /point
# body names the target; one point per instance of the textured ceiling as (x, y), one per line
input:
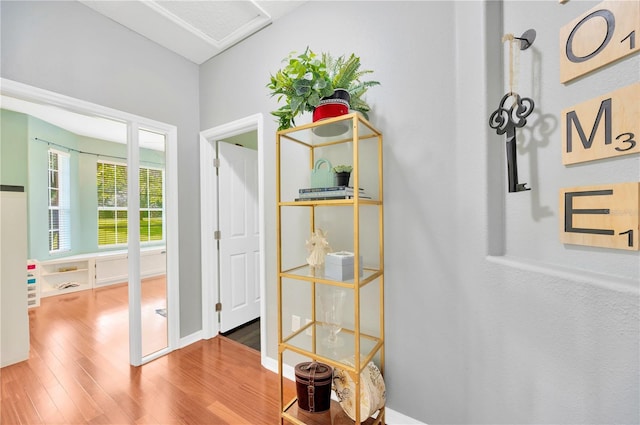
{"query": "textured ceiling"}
(197, 30)
(216, 20)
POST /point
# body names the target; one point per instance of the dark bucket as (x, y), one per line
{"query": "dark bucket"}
(313, 385)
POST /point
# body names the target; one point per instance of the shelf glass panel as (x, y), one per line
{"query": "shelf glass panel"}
(332, 202)
(332, 131)
(317, 345)
(307, 273)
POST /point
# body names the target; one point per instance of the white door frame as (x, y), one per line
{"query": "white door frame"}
(209, 219)
(34, 94)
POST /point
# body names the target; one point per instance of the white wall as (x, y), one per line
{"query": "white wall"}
(66, 47)
(538, 332)
(14, 319)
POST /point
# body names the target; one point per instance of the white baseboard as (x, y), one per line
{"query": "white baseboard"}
(269, 363)
(190, 339)
(397, 418)
(16, 358)
(392, 417)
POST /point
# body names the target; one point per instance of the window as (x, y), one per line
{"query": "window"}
(112, 204)
(151, 205)
(59, 202)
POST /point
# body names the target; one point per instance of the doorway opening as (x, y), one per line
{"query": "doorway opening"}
(129, 158)
(228, 278)
(246, 334)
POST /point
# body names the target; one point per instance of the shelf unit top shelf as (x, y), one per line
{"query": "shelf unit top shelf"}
(343, 127)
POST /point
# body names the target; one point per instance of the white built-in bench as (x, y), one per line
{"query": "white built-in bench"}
(96, 269)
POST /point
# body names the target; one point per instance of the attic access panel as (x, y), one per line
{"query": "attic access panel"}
(221, 23)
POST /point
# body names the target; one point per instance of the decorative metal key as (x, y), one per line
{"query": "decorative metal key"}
(506, 120)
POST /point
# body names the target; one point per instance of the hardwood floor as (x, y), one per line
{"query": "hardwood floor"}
(153, 296)
(78, 373)
(247, 334)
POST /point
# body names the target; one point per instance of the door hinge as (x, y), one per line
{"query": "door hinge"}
(216, 162)
(218, 306)
(217, 235)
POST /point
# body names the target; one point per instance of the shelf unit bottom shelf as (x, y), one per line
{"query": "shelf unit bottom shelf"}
(334, 416)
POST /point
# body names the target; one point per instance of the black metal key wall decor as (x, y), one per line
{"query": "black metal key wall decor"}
(508, 117)
(505, 120)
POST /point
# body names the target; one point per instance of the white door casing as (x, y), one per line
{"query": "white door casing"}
(239, 256)
(209, 220)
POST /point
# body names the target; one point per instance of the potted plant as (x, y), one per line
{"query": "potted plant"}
(302, 82)
(346, 76)
(343, 174)
(308, 83)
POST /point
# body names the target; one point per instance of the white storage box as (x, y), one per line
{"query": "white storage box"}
(339, 265)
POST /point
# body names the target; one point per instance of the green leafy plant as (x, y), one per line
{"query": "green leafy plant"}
(306, 79)
(342, 169)
(302, 82)
(345, 73)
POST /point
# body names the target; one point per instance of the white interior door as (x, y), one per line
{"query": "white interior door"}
(239, 242)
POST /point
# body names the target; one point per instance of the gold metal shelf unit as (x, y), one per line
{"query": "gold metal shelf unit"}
(362, 335)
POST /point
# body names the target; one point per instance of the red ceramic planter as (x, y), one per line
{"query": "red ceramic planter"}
(329, 110)
(333, 106)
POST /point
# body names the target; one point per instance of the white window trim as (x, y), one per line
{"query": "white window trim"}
(64, 201)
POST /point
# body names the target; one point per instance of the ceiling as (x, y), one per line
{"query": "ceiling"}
(84, 125)
(195, 29)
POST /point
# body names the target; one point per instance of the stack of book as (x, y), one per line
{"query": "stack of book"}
(328, 193)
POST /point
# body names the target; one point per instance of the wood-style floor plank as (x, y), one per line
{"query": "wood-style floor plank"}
(78, 372)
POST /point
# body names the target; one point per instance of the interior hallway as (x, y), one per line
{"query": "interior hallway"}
(78, 372)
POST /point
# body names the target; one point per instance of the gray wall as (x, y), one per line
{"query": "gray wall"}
(68, 48)
(489, 318)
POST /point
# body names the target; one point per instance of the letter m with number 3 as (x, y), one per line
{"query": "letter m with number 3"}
(603, 127)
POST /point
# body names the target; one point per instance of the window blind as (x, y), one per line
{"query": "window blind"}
(59, 202)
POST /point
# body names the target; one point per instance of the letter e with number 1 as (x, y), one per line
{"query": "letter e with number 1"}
(606, 216)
